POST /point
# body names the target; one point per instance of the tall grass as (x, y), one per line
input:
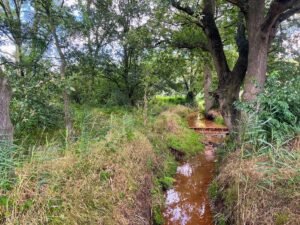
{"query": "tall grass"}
(259, 178)
(7, 165)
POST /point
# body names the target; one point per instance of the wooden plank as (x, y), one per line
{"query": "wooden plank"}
(211, 130)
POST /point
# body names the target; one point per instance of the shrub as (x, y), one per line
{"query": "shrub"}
(274, 116)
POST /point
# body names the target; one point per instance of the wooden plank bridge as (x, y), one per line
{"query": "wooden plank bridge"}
(211, 130)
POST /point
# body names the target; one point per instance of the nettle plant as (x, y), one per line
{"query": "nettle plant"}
(274, 116)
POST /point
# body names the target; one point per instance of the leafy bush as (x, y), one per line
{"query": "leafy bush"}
(264, 165)
(175, 100)
(34, 105)
(274, 117)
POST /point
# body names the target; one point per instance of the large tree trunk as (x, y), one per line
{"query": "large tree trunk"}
(227, 96)
(256, 73)
(261, 32)
(258, 52)
(230, 81)
(209, 100)
(6, 127)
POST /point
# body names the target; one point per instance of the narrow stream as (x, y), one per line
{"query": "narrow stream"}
(187, 203)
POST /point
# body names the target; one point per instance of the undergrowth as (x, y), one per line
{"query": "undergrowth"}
(259, 175)
(113, 173)
(259, 179)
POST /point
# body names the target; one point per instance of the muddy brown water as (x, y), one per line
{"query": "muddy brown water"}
(187, 203)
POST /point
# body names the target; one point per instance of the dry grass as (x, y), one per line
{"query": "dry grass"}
(101, 178)
(261, 189)
(171, 119)
(101, 187)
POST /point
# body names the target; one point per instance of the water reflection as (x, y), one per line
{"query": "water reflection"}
(172, 197)
(187, 202)
(185, 169)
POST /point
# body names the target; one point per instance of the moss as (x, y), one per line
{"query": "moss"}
(219, 120)
(187, 142)
(281, 218)
(166, 182)
(213, 190)
(169, 167)
(158, 218)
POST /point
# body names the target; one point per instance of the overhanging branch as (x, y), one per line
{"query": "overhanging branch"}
(242, 4)
(277, 9)
(180, 7)
(286, 15)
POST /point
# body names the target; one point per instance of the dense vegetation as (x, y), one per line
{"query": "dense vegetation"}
(94, 99)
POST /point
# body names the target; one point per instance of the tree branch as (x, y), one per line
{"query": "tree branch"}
(188, 45)
(242, 4)
(287, 14)
(277, 8)
(214, 39)
(185, 9)
(243, 48)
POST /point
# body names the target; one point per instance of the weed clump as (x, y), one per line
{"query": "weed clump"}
(101, 178)
(114, 172)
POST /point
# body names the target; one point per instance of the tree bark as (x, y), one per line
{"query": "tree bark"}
(209, 100)
(261, 32)
(230, 81)
(6, 127)
(258, 52)
(227, 95)
(66, 98)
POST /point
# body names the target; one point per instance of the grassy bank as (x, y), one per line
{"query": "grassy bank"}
(113, 173)
(259, 186)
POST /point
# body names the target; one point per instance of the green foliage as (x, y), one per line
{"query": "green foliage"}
(220, 219)
(187, 142)
(219, 120)
(158, 216)
(166, 182)
(281, 218)
(213, 190)
(34, 105)
(274, 116)
(168, 100)
(231, 195)
(169, 166)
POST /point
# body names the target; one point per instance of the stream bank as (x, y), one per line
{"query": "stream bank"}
(187, 202)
